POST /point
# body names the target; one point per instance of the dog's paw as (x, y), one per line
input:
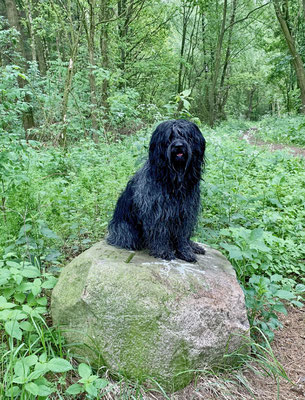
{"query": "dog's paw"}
(186, 256)
(165, 255)
(196, 248)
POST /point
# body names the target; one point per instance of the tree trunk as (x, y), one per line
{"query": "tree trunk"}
(250, 107)
(216, 68)
(104, 38)
(13, 19)
(28, 11)
(91, 51)
(296, 58)
(122, 28)
(224, 93)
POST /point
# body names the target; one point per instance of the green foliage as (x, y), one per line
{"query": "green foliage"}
(250, 211)
(265, 298)
(30, 350)
(12, 103)
(88, 383)
(289, 130)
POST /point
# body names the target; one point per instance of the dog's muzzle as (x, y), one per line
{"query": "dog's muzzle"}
(179, 155)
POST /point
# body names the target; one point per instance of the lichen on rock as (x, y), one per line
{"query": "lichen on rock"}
(150, 318)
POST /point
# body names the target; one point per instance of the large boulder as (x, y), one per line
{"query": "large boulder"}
(149, 318)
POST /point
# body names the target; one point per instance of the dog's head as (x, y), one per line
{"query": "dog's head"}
(177, 145)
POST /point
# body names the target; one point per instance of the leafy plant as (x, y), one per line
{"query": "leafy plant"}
(266, 297)
(88, 383)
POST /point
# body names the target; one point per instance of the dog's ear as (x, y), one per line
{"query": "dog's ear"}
(159, 143)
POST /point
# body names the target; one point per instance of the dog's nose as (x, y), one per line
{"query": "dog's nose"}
(178, 143)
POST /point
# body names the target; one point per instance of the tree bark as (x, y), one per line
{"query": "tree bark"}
(13, 19)
(91, 51)
(296, 58)
(104, 38)
(216, 68)
(224, 93)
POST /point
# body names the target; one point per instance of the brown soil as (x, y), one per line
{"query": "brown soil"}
(249, 137)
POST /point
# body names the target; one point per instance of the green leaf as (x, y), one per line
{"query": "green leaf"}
(13, 391)
(48, 233)
(26, 326)
(43, 357)
(5, 275)
(30, 360)
(59, 365)
(234, 251)
(101, 383)
(74, 389)
(42, 301)
(297, 303)
(91, 389)
(12, 328)
(186, 93)
(300, 288)
(30, 272)
(44, 390)
(25, 228)
(49, 283)
(84, 370)
(13, 264)
(20, 297)
(280, 308)
(4, 305)
(284, 294)
(31, 388)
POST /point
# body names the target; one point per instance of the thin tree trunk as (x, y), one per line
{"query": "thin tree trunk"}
(122, 27)
(104, 38)
(91, 50)
(250, 107)
(223, 94)
(216, 68)
(185, 20)
(296, 58)
(13, 19)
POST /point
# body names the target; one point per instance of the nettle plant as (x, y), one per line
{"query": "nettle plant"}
(30, 348)
(265, 291)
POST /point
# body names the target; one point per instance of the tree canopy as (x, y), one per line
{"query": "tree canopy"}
(81, 68)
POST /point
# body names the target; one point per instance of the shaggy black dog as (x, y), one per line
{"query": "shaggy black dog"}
(159, 207)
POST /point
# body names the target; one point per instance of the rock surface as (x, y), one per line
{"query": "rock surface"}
(150, 318)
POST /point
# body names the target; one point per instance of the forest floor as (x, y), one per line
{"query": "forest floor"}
(288, 348)
(249, 136)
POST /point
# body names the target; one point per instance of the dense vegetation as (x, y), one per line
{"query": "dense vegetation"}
(82, 85)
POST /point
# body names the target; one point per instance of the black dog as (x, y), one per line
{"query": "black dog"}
(159, 207)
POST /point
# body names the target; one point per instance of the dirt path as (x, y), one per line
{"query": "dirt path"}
(249, 137)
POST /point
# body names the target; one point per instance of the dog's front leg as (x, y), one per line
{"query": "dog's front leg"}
(159, 244)
(184, 250)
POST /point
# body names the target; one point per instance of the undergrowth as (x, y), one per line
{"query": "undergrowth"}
(56, 202)
(290, 130)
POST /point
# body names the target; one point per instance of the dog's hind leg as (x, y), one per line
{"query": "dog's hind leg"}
(124, 229)
(125, 235)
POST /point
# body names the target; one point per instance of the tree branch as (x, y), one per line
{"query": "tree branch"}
(247, 16)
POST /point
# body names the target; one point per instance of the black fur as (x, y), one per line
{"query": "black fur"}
(159, 207)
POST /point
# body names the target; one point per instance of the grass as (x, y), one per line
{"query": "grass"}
(55, 203)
